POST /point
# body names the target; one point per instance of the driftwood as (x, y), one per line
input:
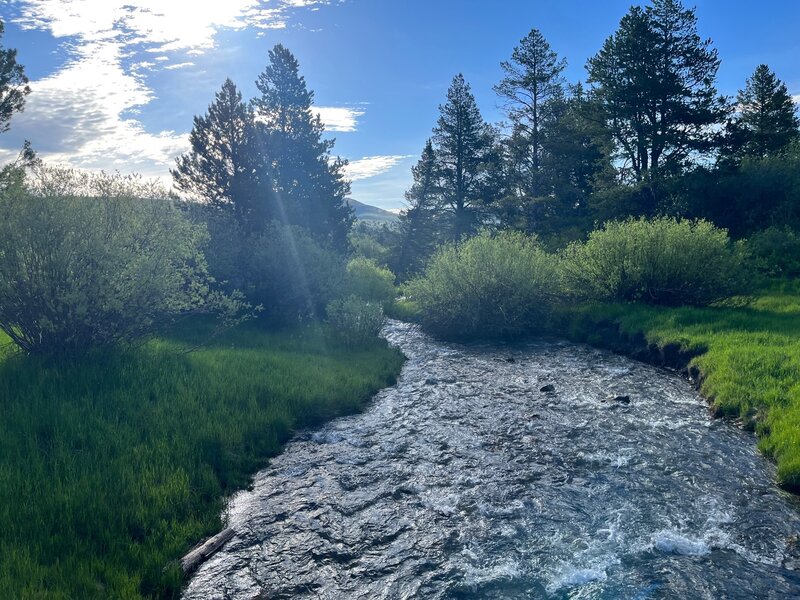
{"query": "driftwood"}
(205, 550)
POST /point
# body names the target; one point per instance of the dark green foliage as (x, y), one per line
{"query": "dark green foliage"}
(775, 252)
(463, 145)
(766, 123)
(282, 268)
(531, 86)
(653, 81)
(489, 286)
(356, 321)
(757, 194)
(310, 187)
(13, 84)
(224, 167)
(658, 261)
(115, 465)
(419, 229)
(94, 260)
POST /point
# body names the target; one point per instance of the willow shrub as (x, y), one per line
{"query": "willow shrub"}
(501, 285)
(660, 261)
(88, 260)
(369, 281)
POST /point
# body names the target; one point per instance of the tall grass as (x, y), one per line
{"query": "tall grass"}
(750, 360)
(112, 467)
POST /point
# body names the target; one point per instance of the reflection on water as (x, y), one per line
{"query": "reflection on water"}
(466, 481)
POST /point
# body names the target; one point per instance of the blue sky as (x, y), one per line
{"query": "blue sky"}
(116, 82)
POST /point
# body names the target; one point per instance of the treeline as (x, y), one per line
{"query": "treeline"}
(646, 135)
(260, 230)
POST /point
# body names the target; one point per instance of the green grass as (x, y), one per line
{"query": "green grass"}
(750, 360)
(112, 467)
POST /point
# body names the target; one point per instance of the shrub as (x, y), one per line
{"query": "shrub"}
(370, 282)
(775, 252)
(490, 286)
(355, 320)
(89, 260)
(659, 261)
(282, 268)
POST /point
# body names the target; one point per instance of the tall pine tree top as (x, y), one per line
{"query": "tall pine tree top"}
(309, 184)
(767, 122)
(222, 168)
(654, 80)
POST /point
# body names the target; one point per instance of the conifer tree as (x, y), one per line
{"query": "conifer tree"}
(531, 84)
(767, 121)
(13, 84)
(653, 80)
(310, 186)
(462, 145)
(417, 233)
(223, 166)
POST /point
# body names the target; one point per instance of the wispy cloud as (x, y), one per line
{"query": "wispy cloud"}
(339, 118)
(84, 114)
(371, 166)
(796, 98)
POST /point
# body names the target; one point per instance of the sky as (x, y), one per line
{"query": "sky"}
(115, 83)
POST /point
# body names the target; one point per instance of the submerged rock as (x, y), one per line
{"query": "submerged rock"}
(621, 399)
(548, 388)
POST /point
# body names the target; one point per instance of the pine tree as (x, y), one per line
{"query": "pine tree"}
(13, 84)
(654, 82)
(417, 234)
(222, 168)
(310, 186)
(462, 144)
(532, 82)
(767, 121)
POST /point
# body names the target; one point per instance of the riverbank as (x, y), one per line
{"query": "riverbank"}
(746, 359)
(113, 466)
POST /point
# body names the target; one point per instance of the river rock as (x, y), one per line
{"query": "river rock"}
(621, 399)
(548, 388)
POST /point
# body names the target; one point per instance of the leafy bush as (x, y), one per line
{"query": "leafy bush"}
(282, 268)
(490, 286)
(89, 260)
(355, 320)
(775, 252)
(370, 282)
(659, 261)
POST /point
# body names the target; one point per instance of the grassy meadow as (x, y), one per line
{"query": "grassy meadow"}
(748, 357)
(113, 466)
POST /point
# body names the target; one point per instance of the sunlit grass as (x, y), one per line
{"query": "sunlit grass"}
(113, 467)
(750, 363)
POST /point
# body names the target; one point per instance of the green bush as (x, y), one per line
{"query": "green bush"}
(658, 261)
(356, 321)
(490, 286)
(282, 268)
(88, 260)
(370, 282)
(775, 252)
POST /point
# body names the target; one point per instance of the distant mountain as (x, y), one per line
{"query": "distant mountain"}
(373, 214)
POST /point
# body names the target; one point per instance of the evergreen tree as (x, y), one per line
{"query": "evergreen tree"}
(532, 82)
(417, 234)
(13, 84)
(310, 186)
(462, 144)
(767, 122)
(654, 82)
(222, 168)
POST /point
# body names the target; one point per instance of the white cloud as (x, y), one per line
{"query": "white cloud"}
(83, 115)
(182, 65)
(370, 166)
(339, 118)
(796, 98)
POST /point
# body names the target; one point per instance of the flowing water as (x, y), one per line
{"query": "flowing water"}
(466, 481)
